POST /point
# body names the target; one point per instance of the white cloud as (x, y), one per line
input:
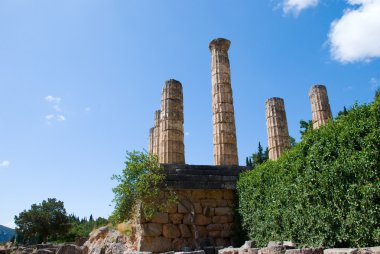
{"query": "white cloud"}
(296, 6)
(56, 108)
(187, 133)
(49, 117)
(53, 99)
(356, 35)
(5, 164)
(61, 118)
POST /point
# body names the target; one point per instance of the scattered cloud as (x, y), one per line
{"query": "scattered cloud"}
(375, 83)
(296, 6)
(52, 99)
(355, 36)
(5, 164)
(187, 133)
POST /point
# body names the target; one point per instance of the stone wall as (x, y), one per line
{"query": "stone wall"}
(201, 218)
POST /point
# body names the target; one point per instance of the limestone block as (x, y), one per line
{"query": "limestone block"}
(178, 244)
(161, 218)
(305, 251)
(171, 231)
(214, 227)
(320, 106)
(199, 194)
(182, 209)
(214, 234)
(172, 208)
(185, 231)
(176, 218)
(155, 244)
(191, 252)
(341, 251)
(249, 251)
(200, 230)
(229, 251)
(151, 229)
(207, 211)
(226, 233)
(208, 203)
(223, 211)
(197, 208)
(228, 194)
(188, 219)
(273, 250)
(202, 220)
(374, 250)
(222, 219)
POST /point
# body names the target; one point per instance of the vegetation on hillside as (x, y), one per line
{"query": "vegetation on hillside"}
(325, 191)
(48, 221)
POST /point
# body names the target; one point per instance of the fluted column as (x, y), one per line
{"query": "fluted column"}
(225, 148)
(172, 149)
(320, 106)
(150, 148)
(156, 133)
(277, 128)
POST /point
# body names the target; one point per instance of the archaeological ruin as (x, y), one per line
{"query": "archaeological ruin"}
(204, 215)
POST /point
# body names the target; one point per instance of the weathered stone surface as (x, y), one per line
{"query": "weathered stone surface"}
(172, 148)
(273, 250)
(222, 219)
(172, 208)
(209, 212)
(155, 244)
(202, 220)
(214, 227)
(229, 251)
(374, 250)
(289, 244)
(45, 251)
(249, 251)
(341, 251)
(179, 243)
(70, 249)
(192, 252)
(320, 106)
(214, 234)
(209, 203)
(171, 231)
(225, 148)
(185, 231)
(277, 127)
(151, 229)
(183, 209)
(223, 211)
(305, 251)
(176, 218)
(161, 218)
(274, 243)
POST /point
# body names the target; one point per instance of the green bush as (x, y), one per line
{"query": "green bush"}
(323, 192)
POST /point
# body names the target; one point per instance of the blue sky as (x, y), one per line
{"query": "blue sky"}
(81, 79)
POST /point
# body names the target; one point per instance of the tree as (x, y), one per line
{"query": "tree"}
(257, 158)
(140, 186)
(45, 221)
(305, 127)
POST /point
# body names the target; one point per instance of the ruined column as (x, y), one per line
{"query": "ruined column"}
(156, 133)
(150, 148)
(277, 127)
(320, 106)
(172, 149)
(225, 148)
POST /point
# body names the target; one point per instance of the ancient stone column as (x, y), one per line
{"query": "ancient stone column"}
(320, 106)
(277, 128)
(225, 148)
(150, 148)
(172, 149)
(156, 133)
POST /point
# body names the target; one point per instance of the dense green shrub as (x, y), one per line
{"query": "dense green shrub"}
(323, 192)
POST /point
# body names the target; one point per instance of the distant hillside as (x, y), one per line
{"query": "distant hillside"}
(6, 234)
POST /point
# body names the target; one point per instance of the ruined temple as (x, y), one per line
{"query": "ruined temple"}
(204, 214)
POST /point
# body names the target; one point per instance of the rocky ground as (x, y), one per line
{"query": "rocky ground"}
(110, 241)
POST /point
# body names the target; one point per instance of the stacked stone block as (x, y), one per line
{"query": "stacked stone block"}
(201, 218)
(277, 128)
(320, 106)
(156, 133)
(171, 145)
(225, 148)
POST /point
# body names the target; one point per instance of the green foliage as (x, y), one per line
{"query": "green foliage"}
(325, 191)
(257, 158)
(42, 222)
(305, 127)
(81, 227)
(140, 187)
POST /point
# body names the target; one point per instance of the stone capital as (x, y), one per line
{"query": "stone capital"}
(220, 44)
(316, 87)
